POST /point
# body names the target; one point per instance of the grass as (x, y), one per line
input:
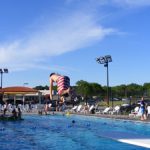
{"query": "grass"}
(111, 104)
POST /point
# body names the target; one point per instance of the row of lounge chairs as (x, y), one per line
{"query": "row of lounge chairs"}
(110, 110)
(82, 109)
(136, 112)
(23, 108)
(89, 109)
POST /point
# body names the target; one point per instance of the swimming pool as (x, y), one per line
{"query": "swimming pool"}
(73, 132)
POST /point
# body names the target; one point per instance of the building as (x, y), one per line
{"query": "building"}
(20, 94)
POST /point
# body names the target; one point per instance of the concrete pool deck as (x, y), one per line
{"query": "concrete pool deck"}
(128, 138)
(124, 117)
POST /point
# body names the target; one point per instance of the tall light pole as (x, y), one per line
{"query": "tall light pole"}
(105, 60)
(5, 70)
(1, 72)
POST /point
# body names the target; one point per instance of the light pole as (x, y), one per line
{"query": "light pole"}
(105, 60)
(5, 70)
(1, 72)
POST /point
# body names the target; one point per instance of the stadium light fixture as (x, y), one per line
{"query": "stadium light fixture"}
(5, 70)
(105, 60)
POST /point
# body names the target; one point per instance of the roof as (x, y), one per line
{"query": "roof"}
(17, 90)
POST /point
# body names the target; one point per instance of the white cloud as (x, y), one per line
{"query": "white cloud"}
(52, 39)
(132, 3)
(55, 37)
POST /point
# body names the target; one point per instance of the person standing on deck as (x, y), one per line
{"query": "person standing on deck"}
(143, 109)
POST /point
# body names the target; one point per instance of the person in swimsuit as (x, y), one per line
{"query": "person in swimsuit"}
(143, 110)
(63, 84)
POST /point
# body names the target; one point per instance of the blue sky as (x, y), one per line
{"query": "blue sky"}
(38, 37)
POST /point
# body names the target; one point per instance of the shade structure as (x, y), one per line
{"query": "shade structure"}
(17, 90)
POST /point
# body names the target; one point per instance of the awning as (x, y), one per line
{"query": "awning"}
(18, 90)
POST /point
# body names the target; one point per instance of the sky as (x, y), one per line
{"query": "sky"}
(38, 37)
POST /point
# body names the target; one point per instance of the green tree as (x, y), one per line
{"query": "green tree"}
(97, 89)
(40, 87)
(134, 90)
(84, 88)
(146, 89)
(119, 91)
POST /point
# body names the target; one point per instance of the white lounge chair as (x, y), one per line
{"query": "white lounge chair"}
(91, 107)
(1, 108)
(148, 111)
(74, 109)
(115, 110)
(79, 108)
(106, 110)
(135, 112)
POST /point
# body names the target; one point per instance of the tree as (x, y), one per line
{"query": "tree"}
(84, 88)
(97, 89)
(40, 87)
(146, 89)
(134, 90)
(119, 91)
(46, 87)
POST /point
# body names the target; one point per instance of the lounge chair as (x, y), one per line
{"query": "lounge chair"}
(135, 112)
(98, 110)
(79, 108)
(148, 111)
(74, 109)
(116, 110)
(91, 107)
(1, 108)
(106, 110)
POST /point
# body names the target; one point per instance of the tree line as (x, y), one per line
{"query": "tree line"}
(86, 89)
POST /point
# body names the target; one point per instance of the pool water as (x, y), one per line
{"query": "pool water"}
(73, 132)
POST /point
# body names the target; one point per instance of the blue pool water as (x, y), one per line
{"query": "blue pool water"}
(58, 132)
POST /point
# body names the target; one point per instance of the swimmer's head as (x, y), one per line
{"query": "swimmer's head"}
(73, 121)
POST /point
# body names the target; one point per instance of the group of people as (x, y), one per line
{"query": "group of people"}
(15, 114)
(56, 105)
(63, 89)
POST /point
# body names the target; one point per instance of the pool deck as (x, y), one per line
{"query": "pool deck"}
(128, 138)
(124, 117)
(138, 142)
